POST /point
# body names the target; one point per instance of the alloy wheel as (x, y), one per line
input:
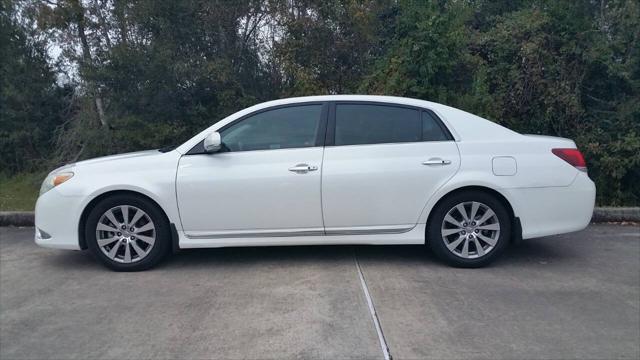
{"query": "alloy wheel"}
(125, 234)
(470, 229)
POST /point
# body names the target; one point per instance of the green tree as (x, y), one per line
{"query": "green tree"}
(559, 68)
(32, 105)
(325, 47)
(426, 53)
(546, 67)
(153, 72)
(147, 73)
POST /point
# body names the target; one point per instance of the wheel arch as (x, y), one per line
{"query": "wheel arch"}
(516, 228)
(82, 241)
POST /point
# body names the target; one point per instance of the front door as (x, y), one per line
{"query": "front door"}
(265, 182)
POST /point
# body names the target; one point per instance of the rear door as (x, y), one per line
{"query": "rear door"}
(381, 164)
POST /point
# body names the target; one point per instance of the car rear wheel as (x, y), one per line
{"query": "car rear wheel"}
(469, 229)
(127, 233)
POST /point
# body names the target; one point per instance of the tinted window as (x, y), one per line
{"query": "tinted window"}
(431, 129)
(374, 124)
(288, 127)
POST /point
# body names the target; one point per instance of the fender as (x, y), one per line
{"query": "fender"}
(169, 207)
(461, 180)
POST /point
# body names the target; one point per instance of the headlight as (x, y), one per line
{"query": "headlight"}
(54, 179)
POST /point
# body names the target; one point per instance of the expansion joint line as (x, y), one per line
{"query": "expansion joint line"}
(372, 310)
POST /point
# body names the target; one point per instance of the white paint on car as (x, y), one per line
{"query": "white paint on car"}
(380, 193)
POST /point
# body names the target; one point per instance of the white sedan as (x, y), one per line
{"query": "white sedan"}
(343, 169)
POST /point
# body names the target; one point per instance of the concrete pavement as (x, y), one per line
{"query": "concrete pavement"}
(574, 296)
(570, 296)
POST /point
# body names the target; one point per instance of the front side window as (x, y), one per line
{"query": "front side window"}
(283, 128)
(358, 124)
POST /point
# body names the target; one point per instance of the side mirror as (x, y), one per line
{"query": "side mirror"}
(213, 142)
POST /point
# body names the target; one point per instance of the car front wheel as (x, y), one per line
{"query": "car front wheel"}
(127, 233)
(469, 229)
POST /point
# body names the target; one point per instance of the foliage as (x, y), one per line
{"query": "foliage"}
(544, 67)
(31, 105)
(326, 45)
(19, 192)
(135, 74)
(426, 53)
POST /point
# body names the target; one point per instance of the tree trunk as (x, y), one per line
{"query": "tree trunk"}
(100, 110)
(119, 8)
(103, 23)
(88, 61)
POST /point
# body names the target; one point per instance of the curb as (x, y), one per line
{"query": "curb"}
(16, 218)
(616, 214)
(600, 214)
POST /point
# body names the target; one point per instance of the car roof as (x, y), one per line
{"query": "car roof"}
(463, 125)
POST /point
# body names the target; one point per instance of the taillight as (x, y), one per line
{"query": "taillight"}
(572, 156)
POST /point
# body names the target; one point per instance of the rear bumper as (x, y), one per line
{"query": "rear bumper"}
(56, 220)
(554, 210)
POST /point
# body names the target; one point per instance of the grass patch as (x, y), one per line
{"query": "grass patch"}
(19, 192)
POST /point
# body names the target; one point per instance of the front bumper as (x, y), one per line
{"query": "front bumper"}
(56, 220)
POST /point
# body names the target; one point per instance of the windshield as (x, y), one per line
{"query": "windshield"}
(167, 148)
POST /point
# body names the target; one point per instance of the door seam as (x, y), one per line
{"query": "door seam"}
(324, 228)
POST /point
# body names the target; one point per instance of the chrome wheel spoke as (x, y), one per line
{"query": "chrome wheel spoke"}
(114, 250)
(125, 214)
(148, 239)
(474, 210)
(454, 244)
(145, 227)
(465, 248)
(493, 227)
(137, 249)
(136, 216)
(107, 241)
(488, 240)
(462, 212)
(450, 219)
(447, 232)
(479, 248)
(109, 214)
(105, 227)
(487, 215)
(127, 252)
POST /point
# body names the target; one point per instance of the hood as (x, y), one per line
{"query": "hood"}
(110, 158)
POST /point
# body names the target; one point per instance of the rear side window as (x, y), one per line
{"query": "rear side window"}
(358, 124)
(432, 129)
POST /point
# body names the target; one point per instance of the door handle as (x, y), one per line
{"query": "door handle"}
(303, 168)
(436, 161)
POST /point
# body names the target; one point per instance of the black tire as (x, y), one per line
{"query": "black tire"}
(436, 240)
(158, 251)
